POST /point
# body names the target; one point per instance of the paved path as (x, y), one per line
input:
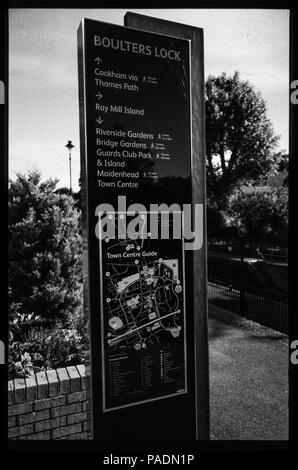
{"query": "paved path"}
(248, 379)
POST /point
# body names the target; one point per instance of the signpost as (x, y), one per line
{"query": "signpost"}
(139, 284)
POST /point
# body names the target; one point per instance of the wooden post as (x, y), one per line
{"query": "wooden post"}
(195, 35)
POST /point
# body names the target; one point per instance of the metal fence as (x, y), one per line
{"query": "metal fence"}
(274, 255)
(262, 306)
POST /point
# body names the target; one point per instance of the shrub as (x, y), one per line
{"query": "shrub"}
(45, 246)
(32, 347)
(261, 212)
(44, 277)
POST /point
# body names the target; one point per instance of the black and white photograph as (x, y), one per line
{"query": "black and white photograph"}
(149, 169)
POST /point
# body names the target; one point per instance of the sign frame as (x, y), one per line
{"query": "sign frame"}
(197, 258)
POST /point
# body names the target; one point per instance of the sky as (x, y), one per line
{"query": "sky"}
(43, 77)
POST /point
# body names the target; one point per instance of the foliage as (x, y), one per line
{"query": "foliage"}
(260, 212)
(44, 271)
(240, 141)
(44, 277)
(32, 347)
(215, 220)
(63, 190)
(76, 195)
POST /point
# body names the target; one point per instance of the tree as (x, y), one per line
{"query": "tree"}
(63, 190)
(44, 270)
(240, 141)
(261, 212)
(216, 221)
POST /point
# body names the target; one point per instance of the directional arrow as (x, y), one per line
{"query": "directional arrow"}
(99, 95)
(99, 120)
(98, 59)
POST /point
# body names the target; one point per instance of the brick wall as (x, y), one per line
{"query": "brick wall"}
(48, 405)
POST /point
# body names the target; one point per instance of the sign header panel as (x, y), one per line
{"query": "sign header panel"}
(138, 114)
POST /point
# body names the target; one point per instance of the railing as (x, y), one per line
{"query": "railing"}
(264, 307)
(278, 255)
(275, 255)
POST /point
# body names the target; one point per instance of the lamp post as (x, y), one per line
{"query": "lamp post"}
(69, 146)
(241, 232)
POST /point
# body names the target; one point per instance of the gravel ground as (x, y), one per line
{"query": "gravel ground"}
(248, 379)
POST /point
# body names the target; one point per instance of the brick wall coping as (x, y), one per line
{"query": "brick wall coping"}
(47, 384)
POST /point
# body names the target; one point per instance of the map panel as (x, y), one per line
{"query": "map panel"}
(143, 320)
